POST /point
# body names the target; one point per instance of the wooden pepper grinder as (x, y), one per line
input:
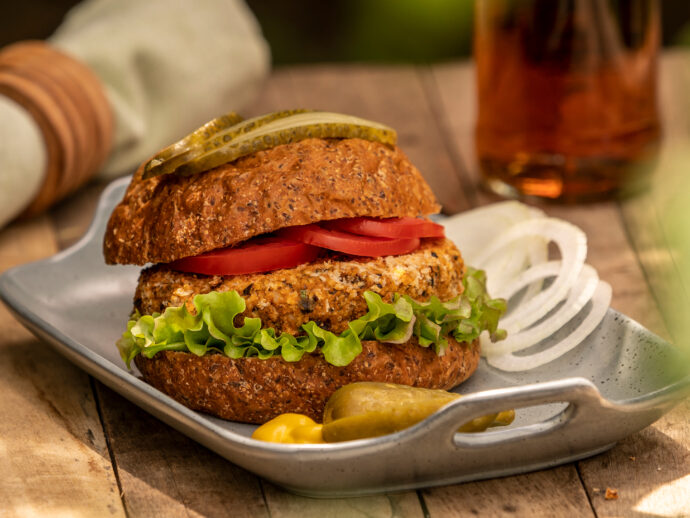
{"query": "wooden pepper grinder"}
(68, 102)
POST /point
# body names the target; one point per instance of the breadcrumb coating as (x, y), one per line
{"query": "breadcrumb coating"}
(328, 291)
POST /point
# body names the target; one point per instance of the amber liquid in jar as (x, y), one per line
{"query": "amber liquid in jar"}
(567, 95)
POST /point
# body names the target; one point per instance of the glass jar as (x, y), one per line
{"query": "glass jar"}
(567, 95)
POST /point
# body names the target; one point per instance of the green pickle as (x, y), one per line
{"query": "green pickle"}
(210, 136)
(368, 409)
(216, 143)
(245, 126)
(182, 148)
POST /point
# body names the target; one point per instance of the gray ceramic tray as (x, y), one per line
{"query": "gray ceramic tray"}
(619, 381)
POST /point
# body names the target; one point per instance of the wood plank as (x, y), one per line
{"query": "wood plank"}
(555, 493)
(72, 216)
(164, 473)
(453, 84)
(277, 93)
(285, 505)
(651, 470)
(53, 455)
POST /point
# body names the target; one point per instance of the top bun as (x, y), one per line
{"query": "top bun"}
(169, 217)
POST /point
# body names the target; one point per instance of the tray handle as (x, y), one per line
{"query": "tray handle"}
(584, 404)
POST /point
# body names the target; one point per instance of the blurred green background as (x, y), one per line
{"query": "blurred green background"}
(308, 31)
(366, 30)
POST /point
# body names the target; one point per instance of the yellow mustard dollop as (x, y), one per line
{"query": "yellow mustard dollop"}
(290, 429)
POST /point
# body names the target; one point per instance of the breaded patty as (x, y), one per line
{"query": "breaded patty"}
(328, 291)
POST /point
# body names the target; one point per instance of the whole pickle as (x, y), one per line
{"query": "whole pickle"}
(368, 409)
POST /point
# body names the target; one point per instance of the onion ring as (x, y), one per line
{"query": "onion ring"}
(516, 262)
(600, 304)
(469, 229)
(572, 243)
(579, 295)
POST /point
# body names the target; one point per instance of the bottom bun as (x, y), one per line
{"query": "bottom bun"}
(252, 390)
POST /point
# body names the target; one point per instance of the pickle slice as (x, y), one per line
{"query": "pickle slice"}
(269, 131)
(195, 138)
(210, 136)
(368, 409)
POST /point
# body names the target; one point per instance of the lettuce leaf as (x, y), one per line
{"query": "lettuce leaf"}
(211, 327)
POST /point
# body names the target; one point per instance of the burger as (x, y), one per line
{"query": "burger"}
(283, 262)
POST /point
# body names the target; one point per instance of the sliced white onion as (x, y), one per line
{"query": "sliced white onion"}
(469, 230)
(538, 251)
(572, 243)
(600, 304)
(502, 273)
(513, 259)
(528, 277)
(578, 297)
(516, 261)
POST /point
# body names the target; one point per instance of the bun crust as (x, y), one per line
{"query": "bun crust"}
(169, 217)
(254, 391)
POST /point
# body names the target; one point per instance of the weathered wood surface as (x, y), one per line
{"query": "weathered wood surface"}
(652, 468)
(53, 455)
(648, 467)
(72, 446)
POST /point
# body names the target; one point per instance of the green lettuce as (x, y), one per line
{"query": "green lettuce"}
(211, 327)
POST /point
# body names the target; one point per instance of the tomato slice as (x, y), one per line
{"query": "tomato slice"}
(348, 243)
(256, 255)
(389, 227)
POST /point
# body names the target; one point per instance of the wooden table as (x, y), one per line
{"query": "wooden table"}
(69, 446)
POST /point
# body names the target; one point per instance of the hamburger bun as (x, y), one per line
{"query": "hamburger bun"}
(168, 218)
(251, 390)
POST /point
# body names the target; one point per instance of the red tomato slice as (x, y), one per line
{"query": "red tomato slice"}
(390, 227)
(256, 255)
(348, 243)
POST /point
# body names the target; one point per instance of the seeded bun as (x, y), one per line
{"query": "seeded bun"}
(254, 391)
(169, 217)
